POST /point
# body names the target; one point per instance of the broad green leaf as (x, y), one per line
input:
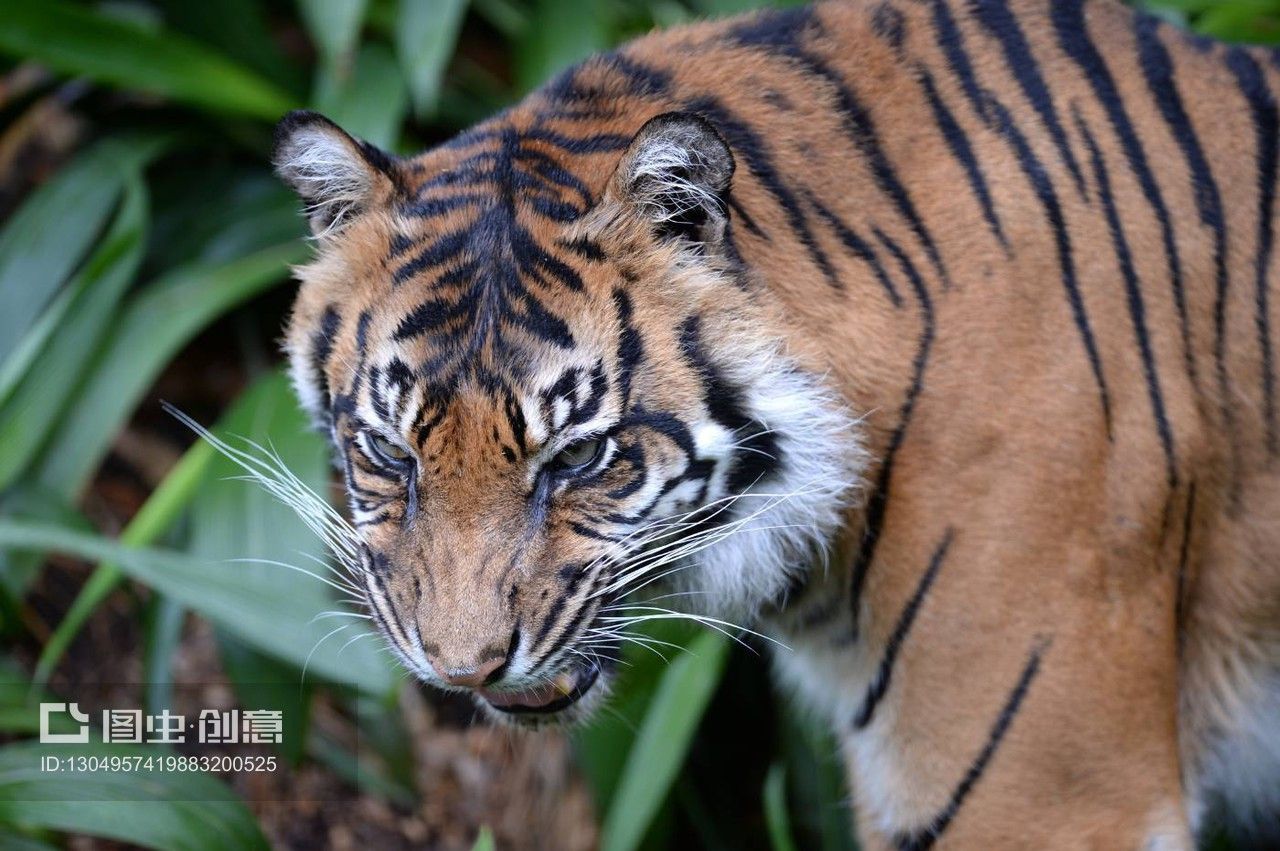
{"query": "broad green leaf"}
(156, 809)
(601, 747)
(238, 28)
(46, 239)
(659, 750)
(552, 43)
(234, 596)
(426, 32)
(262, 682)
(153, 519)
(78, 41)
(817, 774)
(19, 570)
(19, 842)
(346, 100)
(219, 215)
(27, 416)
(1251, 22)
(334, 26)
(232, 519)
(154, 325)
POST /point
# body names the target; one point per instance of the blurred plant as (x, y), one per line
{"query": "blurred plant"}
(165, 221)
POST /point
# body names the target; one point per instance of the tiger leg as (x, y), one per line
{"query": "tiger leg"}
(1016, 691)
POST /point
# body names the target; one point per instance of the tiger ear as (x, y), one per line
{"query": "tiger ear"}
(336, 175)
(677, 172)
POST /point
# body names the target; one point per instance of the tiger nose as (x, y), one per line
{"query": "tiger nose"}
(469, 677)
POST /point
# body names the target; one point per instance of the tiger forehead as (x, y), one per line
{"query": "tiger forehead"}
(487, 265)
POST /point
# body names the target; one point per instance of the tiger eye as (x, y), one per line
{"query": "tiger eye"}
(580, 453)
(388, 450)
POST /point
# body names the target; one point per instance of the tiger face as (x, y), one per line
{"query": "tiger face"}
(551, 389)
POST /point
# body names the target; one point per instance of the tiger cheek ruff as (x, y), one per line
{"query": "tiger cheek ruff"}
(930, 341)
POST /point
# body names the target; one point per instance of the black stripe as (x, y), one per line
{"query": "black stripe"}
(1137, 309)
(1001, 22)
(1043, 186)
(880, 683)
(572, 575)
(858, 246)
(1266, 129)
(989, 109)
(1179, 602)
(630, 345)
(925, 837)
(744, 142)
(958, 141)
(321, 350)
(880, 497)
(1157, 68)
(1073, 37)
(857, 123)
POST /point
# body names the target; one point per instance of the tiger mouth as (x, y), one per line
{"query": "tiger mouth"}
(564, 691)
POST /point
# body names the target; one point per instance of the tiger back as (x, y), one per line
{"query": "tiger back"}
(933, 339)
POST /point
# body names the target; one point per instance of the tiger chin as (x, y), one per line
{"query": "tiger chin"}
(931, 339)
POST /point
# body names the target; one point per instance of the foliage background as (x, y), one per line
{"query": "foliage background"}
(143, 255)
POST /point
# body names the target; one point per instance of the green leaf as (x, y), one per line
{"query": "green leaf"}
(660, 748)
(153, 519)
(157, 809)
(552, 44)
(163, 633)
(28, 415)
(77, 41)
(153, 326)
(236, 597)
(345, 99)
(775, 808)
(334, 26)
(262, 682)
(240, 30)
(48, 236)
(484, 841)
(426, 32)
(817, 781)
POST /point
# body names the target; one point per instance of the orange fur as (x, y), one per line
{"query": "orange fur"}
(1063, 526)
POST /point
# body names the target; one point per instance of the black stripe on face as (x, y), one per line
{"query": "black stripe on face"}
(571, 575)
(924, 838)
(1000, 21)
(1073, 38)
(630, 345)
(1134, 300)
(321, 350)
(879, 500)
(880, 683)
(1266, 127)
(758, 454)
(1158, 70)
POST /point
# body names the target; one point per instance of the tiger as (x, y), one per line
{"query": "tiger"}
(931, 340)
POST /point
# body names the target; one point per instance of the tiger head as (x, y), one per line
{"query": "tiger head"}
(551, 382)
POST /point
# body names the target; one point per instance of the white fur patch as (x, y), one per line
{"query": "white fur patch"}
(321, 164)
